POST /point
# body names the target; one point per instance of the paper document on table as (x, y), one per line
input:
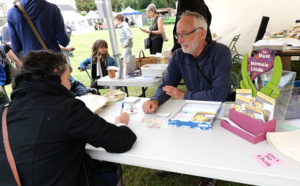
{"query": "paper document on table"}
(272, 44)
(94, 102)
(286, 142)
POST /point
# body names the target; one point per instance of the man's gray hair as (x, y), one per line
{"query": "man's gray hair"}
(199, 20)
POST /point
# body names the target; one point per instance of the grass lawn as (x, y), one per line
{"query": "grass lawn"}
(131, 175)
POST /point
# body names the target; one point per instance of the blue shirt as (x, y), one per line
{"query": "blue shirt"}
(48, 21)
(214, 61)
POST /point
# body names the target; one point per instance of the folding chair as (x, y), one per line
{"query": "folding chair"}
(232, 45)
(87, 72)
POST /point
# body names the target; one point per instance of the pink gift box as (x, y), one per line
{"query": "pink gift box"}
(251, 125)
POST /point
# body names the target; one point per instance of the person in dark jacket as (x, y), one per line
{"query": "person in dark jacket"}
(194, 6)
(205, 66)
(48, 128)
(48, 21)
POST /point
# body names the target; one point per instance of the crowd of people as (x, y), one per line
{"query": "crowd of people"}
(57, 125)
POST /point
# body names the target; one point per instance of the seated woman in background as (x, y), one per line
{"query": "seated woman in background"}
(155, 31)
(48, 128)
(99, 61)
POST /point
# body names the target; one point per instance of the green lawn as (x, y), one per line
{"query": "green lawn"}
(131, 175)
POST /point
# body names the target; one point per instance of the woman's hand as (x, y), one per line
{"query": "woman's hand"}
(123, 118)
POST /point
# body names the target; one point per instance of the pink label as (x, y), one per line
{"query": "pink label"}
(262, 62)
(267, 159)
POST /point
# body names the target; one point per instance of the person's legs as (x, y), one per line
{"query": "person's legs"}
(127, 52)
(78, 89)
(103, 173)
(156, 45)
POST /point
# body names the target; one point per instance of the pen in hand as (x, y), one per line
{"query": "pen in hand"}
(122, 108)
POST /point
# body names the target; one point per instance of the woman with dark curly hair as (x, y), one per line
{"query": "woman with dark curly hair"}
(48, 129)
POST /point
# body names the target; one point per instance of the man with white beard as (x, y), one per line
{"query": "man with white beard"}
(205, 66)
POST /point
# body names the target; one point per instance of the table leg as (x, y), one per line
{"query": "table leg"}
(126, 90)
(143, 95)
(286, 63)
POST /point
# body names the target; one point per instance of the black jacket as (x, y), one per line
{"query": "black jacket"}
(48, 129)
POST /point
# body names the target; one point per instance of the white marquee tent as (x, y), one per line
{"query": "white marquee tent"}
(77, 22)
(92, 17)
(232, 17)
(137, 16)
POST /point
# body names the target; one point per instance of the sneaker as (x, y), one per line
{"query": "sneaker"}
(162, 173)
(207, 182)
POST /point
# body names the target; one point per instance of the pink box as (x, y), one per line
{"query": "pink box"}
(251, 125)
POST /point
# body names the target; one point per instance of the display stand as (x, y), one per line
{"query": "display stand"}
(285, 86)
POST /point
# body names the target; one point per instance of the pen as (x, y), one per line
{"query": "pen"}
(131, 108)
(122, 108)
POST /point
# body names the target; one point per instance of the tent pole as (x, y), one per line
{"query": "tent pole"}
(112, 35)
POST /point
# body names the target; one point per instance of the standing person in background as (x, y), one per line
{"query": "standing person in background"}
(155, 30)
(125, 37)
(194, 6)
(126, 20)
(48, 21)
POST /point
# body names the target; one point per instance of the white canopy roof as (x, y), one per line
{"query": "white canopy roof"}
(91, 15)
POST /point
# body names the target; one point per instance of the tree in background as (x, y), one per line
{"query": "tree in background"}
(117, 5)
(143, 4)
(85, 5)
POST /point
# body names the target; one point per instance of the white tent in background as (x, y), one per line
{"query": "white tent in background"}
(137, 16)
(92, 18)
(77, 22)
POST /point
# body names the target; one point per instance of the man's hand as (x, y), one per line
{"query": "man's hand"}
(150, 106)
(174, 92)
(123, 118)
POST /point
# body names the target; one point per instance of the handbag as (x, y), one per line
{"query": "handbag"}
(144, 60)
(8, 152)
(164, 35)
(147, 42)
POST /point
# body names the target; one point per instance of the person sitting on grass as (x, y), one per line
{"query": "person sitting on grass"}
(99, 61)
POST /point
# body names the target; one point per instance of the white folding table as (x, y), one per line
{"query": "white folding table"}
(217, 153)
(144, 83)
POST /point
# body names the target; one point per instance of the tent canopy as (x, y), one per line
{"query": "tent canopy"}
(130, 11)
(91, 15)
(77, 22)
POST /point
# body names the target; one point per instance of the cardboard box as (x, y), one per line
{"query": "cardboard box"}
(203, 116)
(258, 129)
(154, 70)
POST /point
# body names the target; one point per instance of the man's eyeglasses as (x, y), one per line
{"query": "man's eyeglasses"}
(184, 36)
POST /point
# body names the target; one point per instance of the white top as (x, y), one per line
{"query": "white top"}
(217, 153)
